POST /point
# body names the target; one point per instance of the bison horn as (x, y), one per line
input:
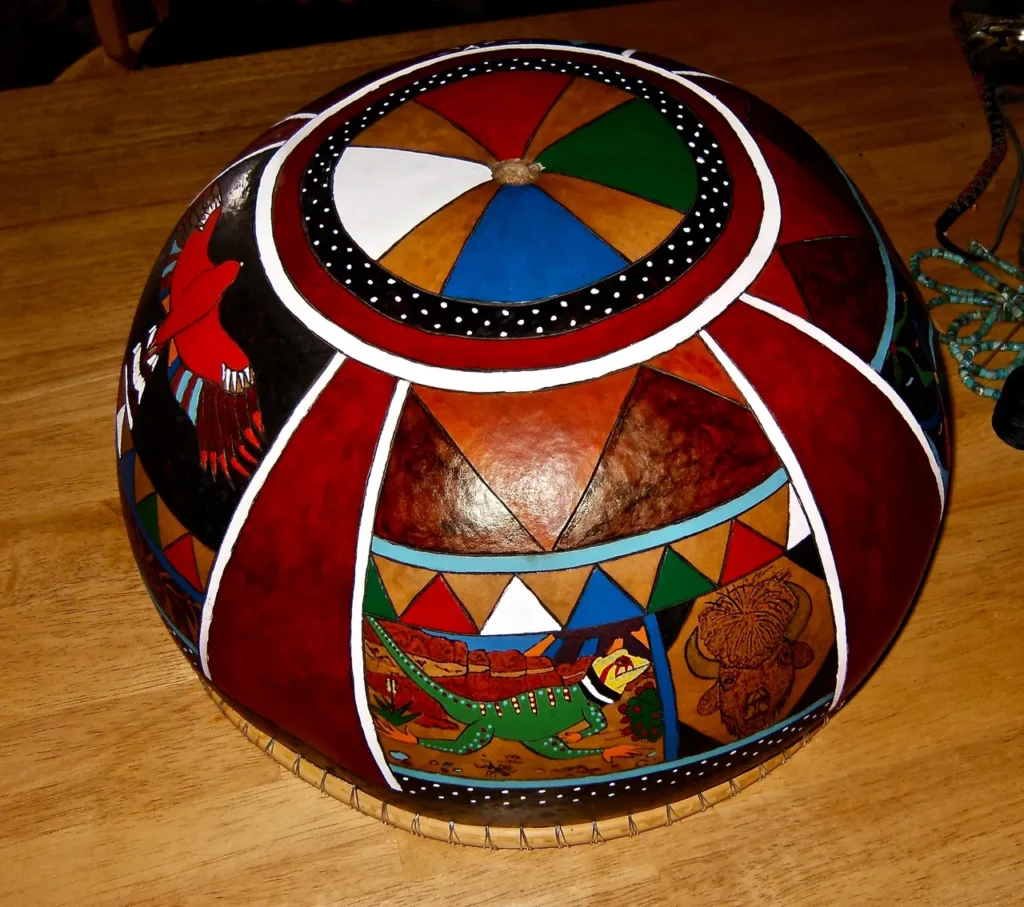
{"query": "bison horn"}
(698, 662)
(802, 614)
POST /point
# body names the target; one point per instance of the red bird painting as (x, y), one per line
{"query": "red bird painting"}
(210, 375)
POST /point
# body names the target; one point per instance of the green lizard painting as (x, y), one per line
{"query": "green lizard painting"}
(539, 719)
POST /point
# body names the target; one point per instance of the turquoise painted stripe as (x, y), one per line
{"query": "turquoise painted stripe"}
(727, 749)
(890, 280)
(182, 384)
(582, 557)
(193, 403)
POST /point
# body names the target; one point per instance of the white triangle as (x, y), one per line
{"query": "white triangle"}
(799, 528)
(383, 193)
(518, 611)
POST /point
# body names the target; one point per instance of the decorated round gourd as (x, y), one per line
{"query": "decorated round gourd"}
(531, 434)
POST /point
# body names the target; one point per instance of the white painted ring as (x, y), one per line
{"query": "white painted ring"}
(509, 381)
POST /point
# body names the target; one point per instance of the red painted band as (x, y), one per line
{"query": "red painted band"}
(280, 636)
(870, 476)
(330, 297)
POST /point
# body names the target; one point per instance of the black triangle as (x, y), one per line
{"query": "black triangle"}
(671, 620)
(806, 555)
(824, 683)
(692, 742)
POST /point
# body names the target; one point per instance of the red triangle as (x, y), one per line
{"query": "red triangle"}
(810, 210)
(746, 553)
(775, 284)
(183, 559)
(501, 110)
(437, 608)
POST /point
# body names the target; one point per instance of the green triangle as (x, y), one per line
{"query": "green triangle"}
(147, 513)
(678, 581)
(375, 599)
(632, 148)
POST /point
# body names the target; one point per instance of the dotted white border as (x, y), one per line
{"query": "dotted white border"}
(471, 381)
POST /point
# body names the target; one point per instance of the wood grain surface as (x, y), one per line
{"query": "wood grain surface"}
(121, 783)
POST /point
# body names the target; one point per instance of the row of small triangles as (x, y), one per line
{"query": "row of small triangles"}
(190, 557)
(500, 604)
(780, 518)
(706, 551)
(617, 590)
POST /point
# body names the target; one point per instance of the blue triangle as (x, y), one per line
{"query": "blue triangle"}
(602, 602)
(589, 647)
(526, 246)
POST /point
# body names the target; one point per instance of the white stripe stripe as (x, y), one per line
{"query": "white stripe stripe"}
(479, 382)
(850, 358)
(697, 73)
(252, 490)
(366, 517)
(127, 399)
(600, 697)
(803, 489)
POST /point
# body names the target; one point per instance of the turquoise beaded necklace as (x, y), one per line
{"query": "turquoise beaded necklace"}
(1003, 304)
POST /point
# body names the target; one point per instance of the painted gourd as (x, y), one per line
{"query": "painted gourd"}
(532, 433)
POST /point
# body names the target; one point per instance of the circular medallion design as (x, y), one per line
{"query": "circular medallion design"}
(595, 192)
(515, 218)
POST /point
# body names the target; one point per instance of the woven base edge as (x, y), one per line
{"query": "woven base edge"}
(495, 837)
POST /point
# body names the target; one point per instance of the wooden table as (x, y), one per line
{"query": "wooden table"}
(120, 783)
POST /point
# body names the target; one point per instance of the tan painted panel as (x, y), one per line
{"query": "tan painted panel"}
(630, 224)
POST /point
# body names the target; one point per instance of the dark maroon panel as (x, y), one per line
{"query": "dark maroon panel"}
(810, 209)
(764, 120)
(871, 478)
(842, 281)
(279, 640)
